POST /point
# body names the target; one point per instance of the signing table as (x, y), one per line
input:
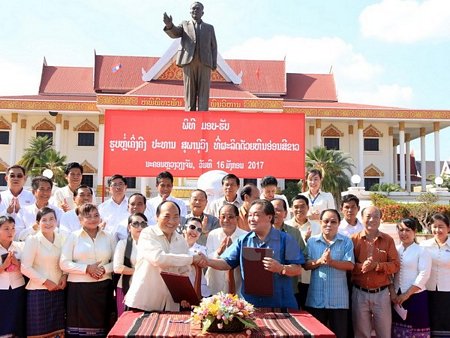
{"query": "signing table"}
(270, 324)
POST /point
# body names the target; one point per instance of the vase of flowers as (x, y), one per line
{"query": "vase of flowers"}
(224, 313)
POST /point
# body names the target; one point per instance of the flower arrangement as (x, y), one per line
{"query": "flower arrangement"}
(222, 310)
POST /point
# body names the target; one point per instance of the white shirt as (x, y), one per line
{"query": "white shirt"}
(64, 193)
(28, 216)
(61, 194)
(25, 198)
(440, 267)
(13, 279)
(193, 250)
(215, 206)
(119, 256)
(415, 268)
(122, 227)
(80, 250)
(218, 280)
(322, 201)
(113, 214)
(305, 276)
(348, 230)
(69, 222)
(148, 291)
(40, 260)
(155, 201)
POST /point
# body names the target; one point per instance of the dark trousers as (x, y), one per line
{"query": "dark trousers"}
(334, 319)
(197, 79)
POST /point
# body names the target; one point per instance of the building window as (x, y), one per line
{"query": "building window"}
(88, 180)
(2, 179)
(49, 134)
(131, 182)
(371, 144)
(4, 137)
(370, 181)
(86, 139)
(331, 143)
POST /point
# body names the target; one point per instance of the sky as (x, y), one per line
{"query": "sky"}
(385, 52)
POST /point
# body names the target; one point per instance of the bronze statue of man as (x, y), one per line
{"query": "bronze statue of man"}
(197, 56)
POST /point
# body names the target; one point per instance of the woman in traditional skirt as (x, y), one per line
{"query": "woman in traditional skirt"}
(40, 263)
(409, 288)
(125, 257)
(87, 258)
(438, 284)
(12, 283)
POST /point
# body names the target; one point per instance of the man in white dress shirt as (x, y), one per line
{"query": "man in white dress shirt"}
(16, 197)
(69, 220)
(230, 188)
(350, 224)
(115, 209)
(218, 240)
(164, 185)
(42, 190)
(63, 197)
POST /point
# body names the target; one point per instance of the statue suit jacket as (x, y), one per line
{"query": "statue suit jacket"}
(207, 47)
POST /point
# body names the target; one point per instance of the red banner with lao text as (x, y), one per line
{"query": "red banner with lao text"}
(250, 145)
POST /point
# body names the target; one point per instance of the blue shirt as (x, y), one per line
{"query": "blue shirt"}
(328, 288)
(283, 293)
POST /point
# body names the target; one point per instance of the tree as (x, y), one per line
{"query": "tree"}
(336, 168)
(40, 155)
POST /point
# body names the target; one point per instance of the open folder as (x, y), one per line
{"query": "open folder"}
(180, 288)
(257, 280)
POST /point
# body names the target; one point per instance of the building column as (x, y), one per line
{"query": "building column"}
(361, 149)
(408, 161)
(145, 182)
(401, 142)
(13, 138)
(395, 161)
(100, 151)
(437, 149)
(391, 150)
(423, 161)
(318, 133)
(57, 138)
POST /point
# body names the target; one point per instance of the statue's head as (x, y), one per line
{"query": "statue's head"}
(197, 10)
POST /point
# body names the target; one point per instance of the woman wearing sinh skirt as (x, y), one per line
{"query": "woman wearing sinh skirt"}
(40, 263)
(409, 288)
(87, 257)
(438, 284)
(12, 283)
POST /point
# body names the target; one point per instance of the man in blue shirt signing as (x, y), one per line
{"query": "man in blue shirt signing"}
(285, 263)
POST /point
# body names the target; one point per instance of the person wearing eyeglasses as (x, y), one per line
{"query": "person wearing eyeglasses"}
(115, 209)
(218, 240)
(125, 256)
(15, 196)
(192, 231)
(87, 257)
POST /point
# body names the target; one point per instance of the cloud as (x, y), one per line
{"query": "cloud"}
(406, 21)
(391, 95)
(21, 80)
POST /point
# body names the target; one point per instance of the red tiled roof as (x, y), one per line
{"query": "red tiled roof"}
(261, 76)
(66, 80)
(311, 87)
(175, 88)
(127, 77)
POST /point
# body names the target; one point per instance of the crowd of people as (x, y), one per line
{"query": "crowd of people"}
(70, 267)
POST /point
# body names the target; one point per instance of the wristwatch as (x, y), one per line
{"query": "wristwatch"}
(283, 271)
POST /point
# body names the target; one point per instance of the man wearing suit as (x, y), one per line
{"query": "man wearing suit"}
(197, 56)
